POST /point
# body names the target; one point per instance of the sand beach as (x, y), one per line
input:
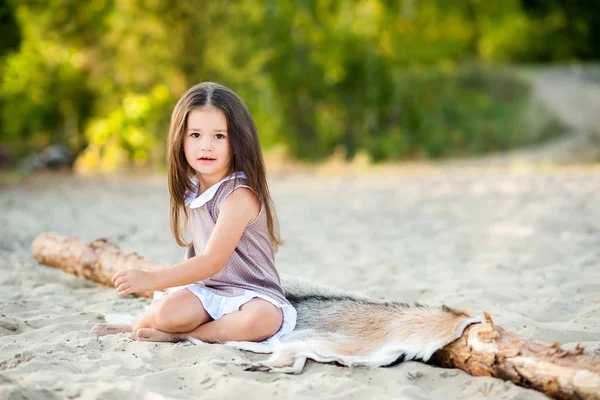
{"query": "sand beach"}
(519, 243)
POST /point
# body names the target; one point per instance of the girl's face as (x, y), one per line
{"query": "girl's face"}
(206, 143)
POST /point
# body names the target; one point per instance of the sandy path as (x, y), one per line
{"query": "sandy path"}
(522, 245)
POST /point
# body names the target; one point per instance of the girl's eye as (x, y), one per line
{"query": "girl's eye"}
(220, 136)
(195, 133)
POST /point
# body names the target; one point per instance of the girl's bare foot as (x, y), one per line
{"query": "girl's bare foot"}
(110, 329)
(154, 335)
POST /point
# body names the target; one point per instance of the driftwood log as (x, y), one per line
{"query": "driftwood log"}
(482, 350)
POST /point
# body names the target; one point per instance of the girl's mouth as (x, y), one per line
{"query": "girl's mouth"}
(206, 159)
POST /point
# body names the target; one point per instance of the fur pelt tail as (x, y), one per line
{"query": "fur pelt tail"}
(356, 330)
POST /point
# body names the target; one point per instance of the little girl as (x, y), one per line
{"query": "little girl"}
(227, 288)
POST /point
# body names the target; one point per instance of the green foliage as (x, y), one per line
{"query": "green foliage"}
(130, 132)
(429, 112)
(453, 111)
(395, 79)
(43, 95)
(9, 30)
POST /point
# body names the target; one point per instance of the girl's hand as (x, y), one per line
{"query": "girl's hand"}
(133, 281)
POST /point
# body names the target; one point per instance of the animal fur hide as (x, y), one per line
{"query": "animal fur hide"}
(356, 330)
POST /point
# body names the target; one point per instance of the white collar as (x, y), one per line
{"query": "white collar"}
(195, 201)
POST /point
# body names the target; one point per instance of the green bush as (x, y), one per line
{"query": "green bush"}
(383, 78)
(428, 112)
(134, 132)
(444, 112)
(44, 98)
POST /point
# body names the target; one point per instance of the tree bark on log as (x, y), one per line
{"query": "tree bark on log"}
(97, 261)
(490, 350)
(482, 350)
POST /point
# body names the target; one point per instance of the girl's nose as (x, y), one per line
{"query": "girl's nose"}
(205, 144)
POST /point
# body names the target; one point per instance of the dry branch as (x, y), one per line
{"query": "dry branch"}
(482, 350)
(490, 350)
(97, 261)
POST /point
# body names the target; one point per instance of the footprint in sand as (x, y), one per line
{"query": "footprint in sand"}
(15, 361)
(8, 323)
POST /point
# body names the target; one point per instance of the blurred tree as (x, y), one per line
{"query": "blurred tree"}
(43, 92)
(574, 28)
(10, 38)
(394, 78)
(9, 30)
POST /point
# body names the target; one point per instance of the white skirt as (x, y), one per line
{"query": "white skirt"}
(217, 305)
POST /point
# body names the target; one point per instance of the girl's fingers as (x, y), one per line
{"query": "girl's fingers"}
(120, 281)
(117, 275)
(125, 292)
(122, 287)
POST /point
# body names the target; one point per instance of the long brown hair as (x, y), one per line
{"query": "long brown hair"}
(246, 154)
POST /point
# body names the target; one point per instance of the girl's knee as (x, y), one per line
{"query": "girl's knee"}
(168, 321)
(173, 315)
(263, 320)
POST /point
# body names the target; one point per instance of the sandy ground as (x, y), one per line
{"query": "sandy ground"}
(520, 244)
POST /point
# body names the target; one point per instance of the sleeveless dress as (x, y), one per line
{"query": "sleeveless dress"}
(250, 271)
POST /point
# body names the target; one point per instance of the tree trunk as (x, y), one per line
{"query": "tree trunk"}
(97, 261)
(482, 350)
(489, 350)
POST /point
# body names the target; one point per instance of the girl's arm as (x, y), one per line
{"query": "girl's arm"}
(239, 209)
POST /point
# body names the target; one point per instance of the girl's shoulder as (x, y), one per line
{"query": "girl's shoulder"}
(227, 187)
(215, 193)
(224, 191)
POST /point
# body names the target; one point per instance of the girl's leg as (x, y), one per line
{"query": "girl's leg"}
(255, 321)
(111, 329)
(177, 312)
